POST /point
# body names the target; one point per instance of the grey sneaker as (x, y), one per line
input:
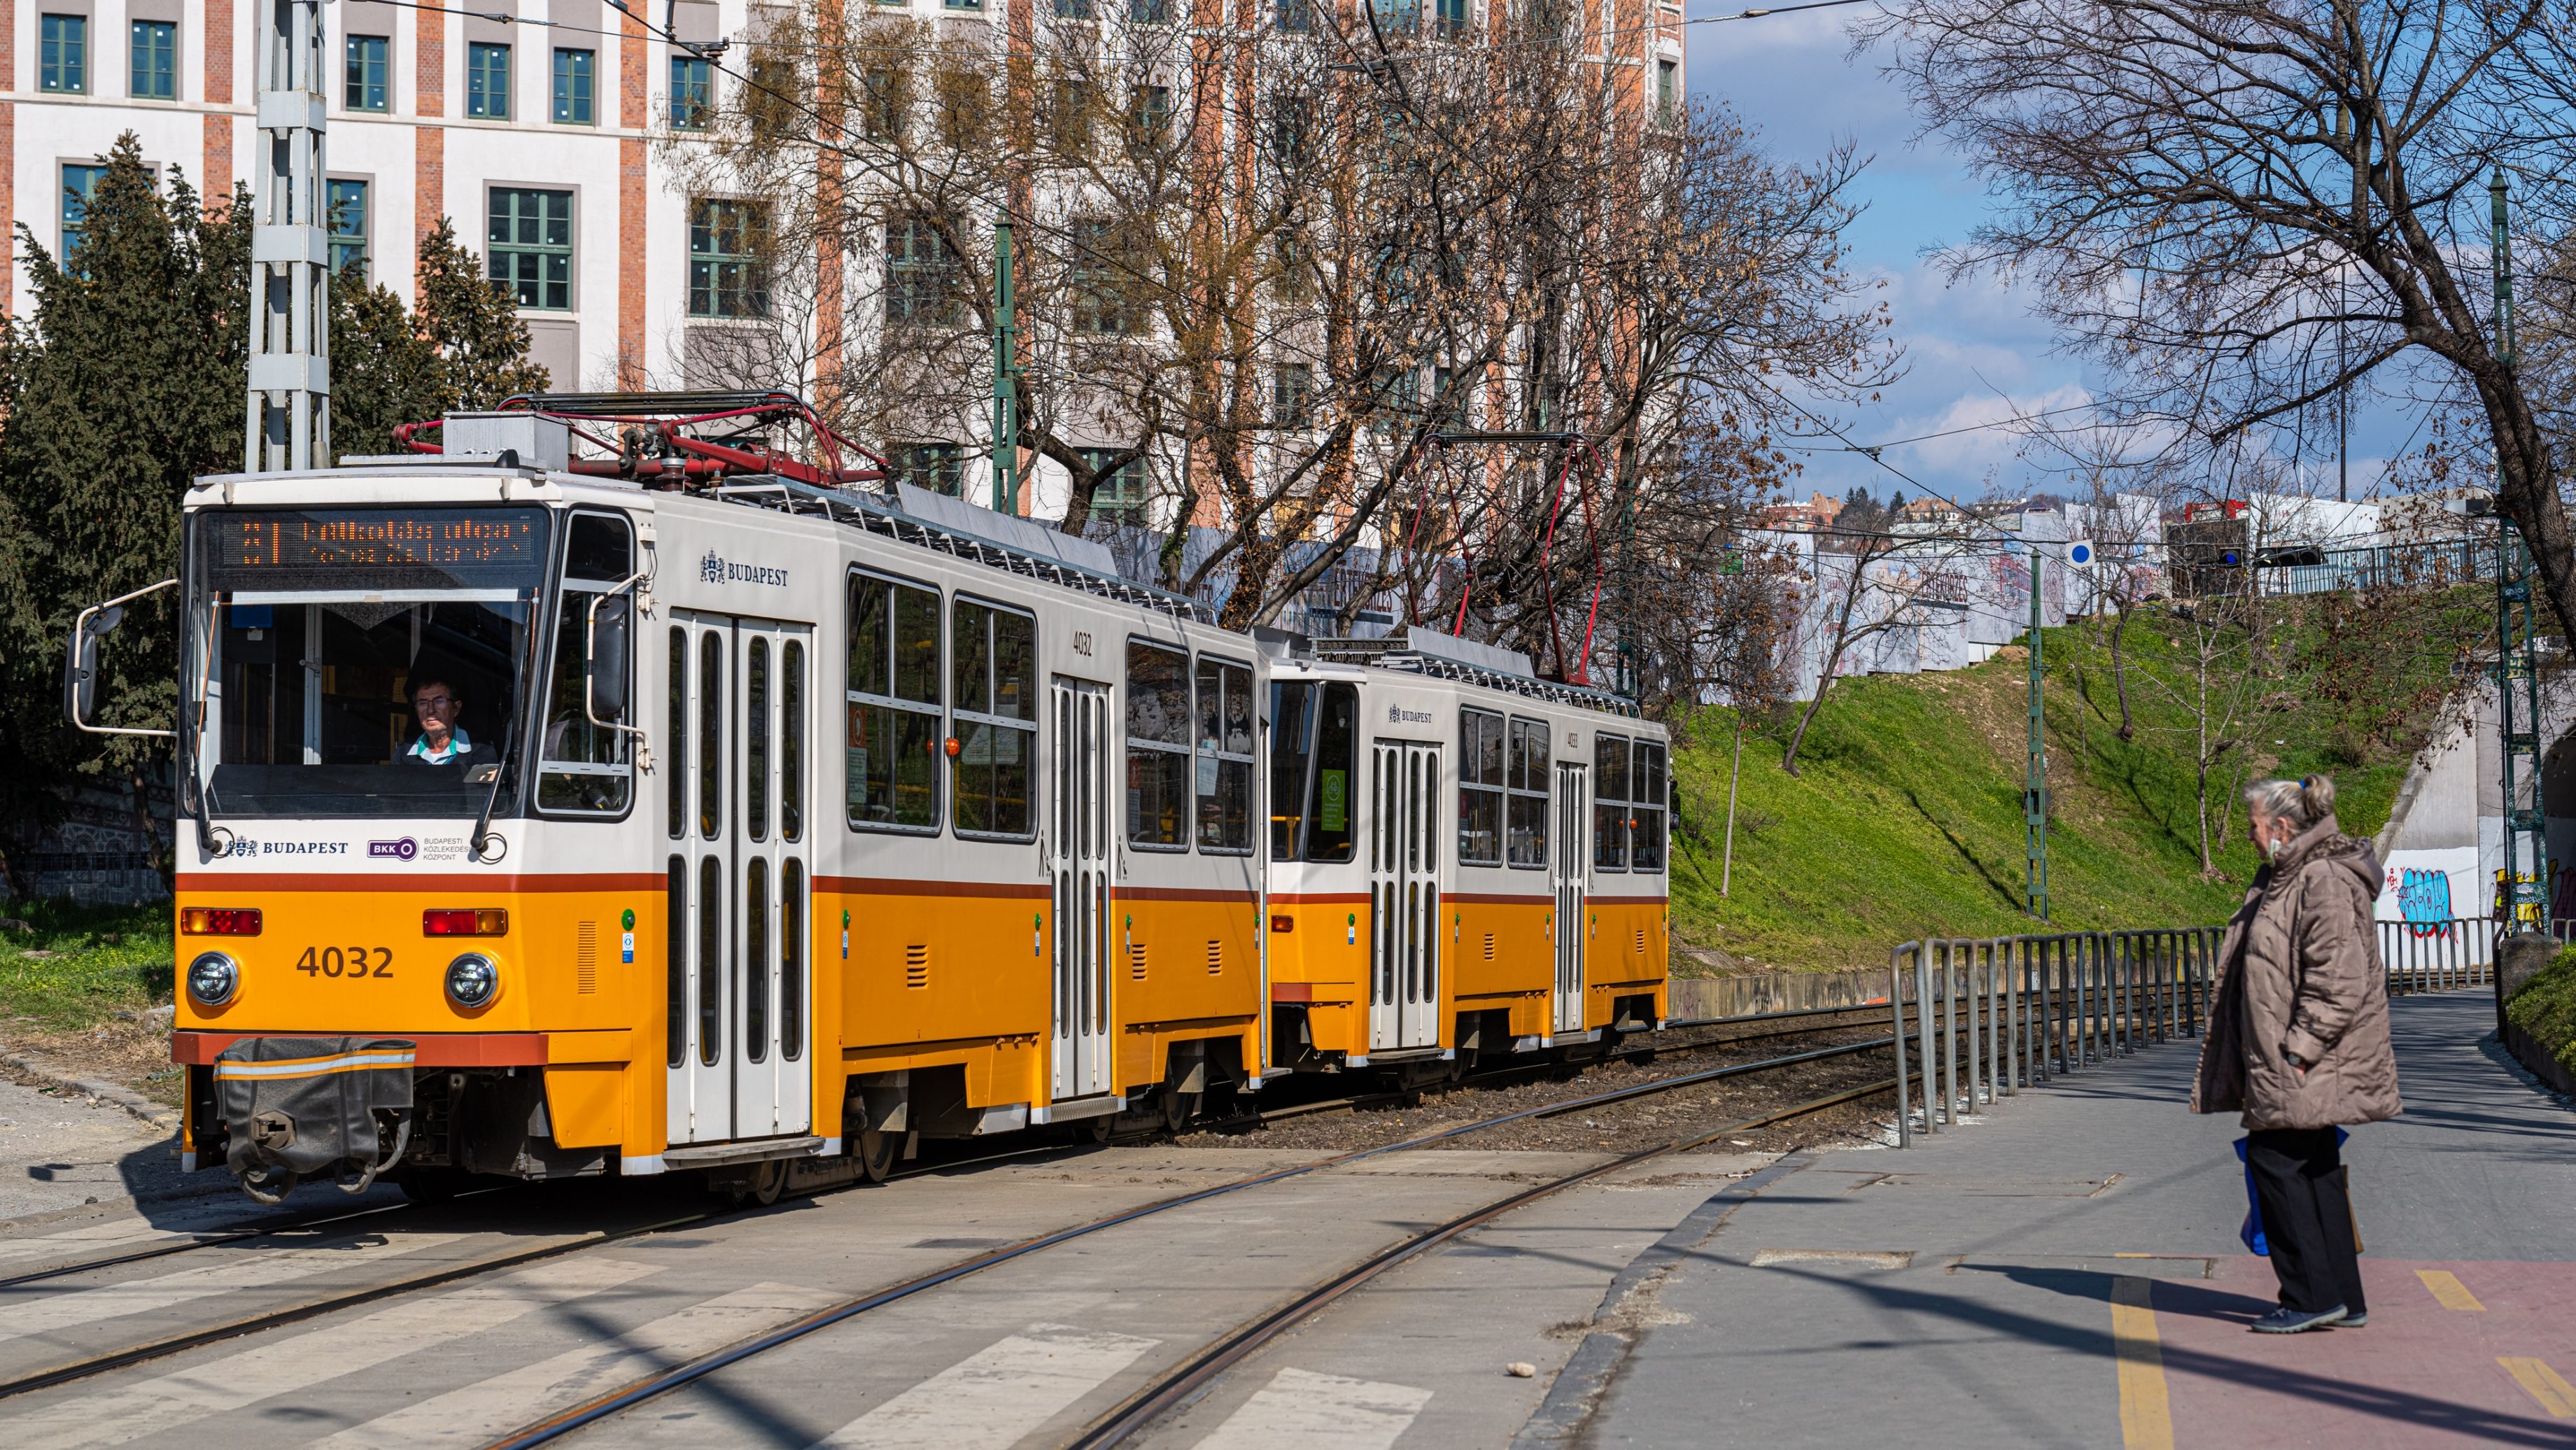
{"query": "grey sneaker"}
(2354, 1320)
(2292, 1321)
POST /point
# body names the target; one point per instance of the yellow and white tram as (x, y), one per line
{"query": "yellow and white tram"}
(1464, 860)
(779, 823)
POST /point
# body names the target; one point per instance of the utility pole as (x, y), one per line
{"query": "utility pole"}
(2035, 794)
(290, 280)
(2524, 881)
(1006, 372)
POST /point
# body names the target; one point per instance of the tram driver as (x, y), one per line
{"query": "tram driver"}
(435, 703)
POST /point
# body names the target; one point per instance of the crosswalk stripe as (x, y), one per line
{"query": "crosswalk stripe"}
(128, 1233)
(250, 1269)
(996, 1397)
(116, 1416)
(483, 1411)
(1302, 1410)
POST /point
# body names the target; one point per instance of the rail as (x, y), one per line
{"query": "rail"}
(2438, 956)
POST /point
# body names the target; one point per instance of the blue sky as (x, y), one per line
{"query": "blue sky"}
(1975, 353)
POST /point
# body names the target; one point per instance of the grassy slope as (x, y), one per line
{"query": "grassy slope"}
(1906, 816)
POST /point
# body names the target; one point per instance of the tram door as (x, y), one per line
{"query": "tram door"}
(741, 1007)
(1570, 860)
(1078, 859)
(1404, 896)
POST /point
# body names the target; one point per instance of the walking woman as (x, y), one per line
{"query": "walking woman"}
(2298, 1042)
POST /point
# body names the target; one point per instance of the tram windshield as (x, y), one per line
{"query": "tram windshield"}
(361, 662)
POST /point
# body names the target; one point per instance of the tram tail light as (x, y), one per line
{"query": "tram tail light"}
(465, 921)
(219, 921)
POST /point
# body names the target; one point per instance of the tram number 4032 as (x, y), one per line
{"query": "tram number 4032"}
(349, 962)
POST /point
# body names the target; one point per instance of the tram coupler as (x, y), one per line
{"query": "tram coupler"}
(295, 1107)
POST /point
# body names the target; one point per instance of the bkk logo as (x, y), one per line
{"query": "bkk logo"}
(716, 569)
(402, 850)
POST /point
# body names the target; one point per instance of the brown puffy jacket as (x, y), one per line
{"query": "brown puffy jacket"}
(2300, 973)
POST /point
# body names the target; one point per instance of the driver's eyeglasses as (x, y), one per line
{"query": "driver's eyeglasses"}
(434, 702)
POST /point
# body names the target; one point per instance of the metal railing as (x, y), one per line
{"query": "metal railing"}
(2438, 956)
(1993, 1015)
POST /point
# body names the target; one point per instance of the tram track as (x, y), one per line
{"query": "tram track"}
(618, 1401)
(368, 1294)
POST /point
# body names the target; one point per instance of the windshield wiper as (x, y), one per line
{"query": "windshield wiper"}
(483, 822)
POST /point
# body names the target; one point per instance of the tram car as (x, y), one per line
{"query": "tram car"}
(668, 804)
(1465, 860)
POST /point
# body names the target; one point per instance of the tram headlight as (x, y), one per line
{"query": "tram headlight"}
(473, 980)
(212, 979)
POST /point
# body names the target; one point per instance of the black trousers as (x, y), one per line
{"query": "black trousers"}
(2307, 1217)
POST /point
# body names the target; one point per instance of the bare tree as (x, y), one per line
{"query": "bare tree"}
(1870, 584)
(2241, 209)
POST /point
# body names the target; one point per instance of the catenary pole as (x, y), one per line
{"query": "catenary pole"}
(290, 336)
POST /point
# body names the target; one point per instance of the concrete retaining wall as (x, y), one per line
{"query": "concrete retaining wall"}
(1696, 997)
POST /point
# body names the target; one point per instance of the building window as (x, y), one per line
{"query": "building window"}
(63, 56)
(1149, 12)
(156, 61)
(1225, 757)
(80, 183)
(728, 274)
(996, 704)
(1119, 494)
(1297, 17)
(1397, 15)
(530, 244)
(1451, 17)
(938, 467)
(487, 82)
(1100, 277)
(1292, 395)
(367, 68)
(1609, 802)
(693, 92)
(1073, 9)
(893, 697)
(1525, 827)
(574, 105)
(1668, 88)
(349, 229)
(965, 4)
(921, 275)
(1150, 110)
(1480, 788)
(1158, 747)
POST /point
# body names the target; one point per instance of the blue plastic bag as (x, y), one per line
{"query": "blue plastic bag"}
(2251, 1231)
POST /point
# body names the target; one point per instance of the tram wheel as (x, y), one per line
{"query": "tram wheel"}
(1178, 1108)
(876, 1154)
(1098, 1129)
(761, 1184)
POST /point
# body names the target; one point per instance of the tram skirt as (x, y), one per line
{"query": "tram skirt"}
(295, 1107)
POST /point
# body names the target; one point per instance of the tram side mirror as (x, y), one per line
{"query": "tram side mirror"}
(80, 666)
(607, 665)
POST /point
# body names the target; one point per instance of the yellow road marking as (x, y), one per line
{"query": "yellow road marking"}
(2146, 1415)
(2131, 1254)
(2448, 1291)
(2543, 1384)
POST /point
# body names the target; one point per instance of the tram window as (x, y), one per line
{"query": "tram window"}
(1647, 803)
(1292, 751)
(1158, 746)
(1530, 779)
(894, 699)
(1480, 788)
(791, 740)
(711, 713)
(995, 698)
(675, 770)
(755, 740)
(791, 977)
(1328, 805)
(755, 960)
(711, 945)
(675, 957)
(1609, 802)
(1224, 757)
(310, 632)
(581, 767)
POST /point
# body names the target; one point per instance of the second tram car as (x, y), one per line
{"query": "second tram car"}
(778, 823)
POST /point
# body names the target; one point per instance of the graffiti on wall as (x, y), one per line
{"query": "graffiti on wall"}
(2423, 900)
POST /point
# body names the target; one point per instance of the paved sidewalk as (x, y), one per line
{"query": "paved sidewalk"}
(2067, 1272)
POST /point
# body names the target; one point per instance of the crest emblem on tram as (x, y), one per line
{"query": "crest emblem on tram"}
(711, 568)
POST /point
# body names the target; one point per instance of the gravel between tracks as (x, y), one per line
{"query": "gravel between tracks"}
(1618, 1126)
